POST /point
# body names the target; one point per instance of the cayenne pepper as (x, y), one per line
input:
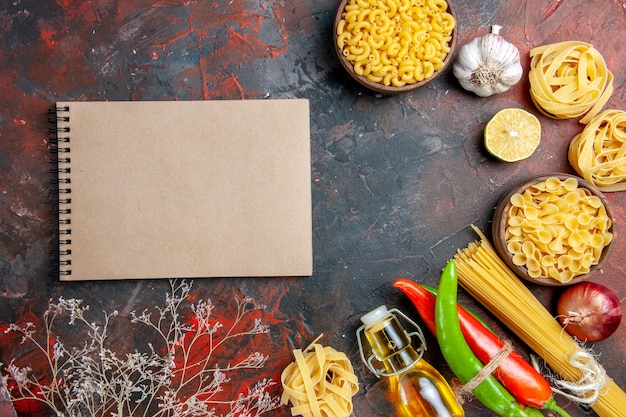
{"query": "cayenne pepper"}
(519, 377)
(460, 357)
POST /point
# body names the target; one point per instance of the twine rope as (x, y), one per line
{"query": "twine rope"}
(465, 390)
(588, 387)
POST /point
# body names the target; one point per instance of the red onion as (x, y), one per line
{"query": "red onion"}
(589, 311)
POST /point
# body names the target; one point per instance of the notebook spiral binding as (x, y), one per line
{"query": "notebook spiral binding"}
(60, 148)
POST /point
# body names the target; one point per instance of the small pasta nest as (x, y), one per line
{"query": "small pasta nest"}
(598, 153)
(569, 79)
(555, 229)
(395, 43)
(319, 383)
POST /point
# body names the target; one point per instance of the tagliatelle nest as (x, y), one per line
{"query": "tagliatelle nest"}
(320, 383)
(598, 153)
(569, 79)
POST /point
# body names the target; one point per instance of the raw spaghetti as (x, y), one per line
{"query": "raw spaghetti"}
(487, 278)
(320, 383)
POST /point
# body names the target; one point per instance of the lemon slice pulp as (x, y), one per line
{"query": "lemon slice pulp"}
(512, 134)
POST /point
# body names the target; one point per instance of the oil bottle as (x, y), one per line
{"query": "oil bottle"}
(416, 387)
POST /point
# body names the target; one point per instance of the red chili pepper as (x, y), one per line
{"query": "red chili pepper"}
(523, 381)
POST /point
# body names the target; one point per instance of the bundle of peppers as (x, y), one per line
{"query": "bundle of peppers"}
(515, 388)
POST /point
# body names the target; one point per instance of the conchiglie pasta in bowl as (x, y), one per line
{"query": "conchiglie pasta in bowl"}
(395, 46)
(554, 229)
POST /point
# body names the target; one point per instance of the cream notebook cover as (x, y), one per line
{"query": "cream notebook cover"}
(184, 189)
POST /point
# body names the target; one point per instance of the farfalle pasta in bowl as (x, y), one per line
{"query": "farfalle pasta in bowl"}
(554, 229)
(394, 46)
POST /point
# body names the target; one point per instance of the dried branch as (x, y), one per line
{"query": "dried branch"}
(175, 374)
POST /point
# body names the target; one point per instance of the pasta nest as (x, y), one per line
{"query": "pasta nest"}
(598, 153)
(319, 383)
(569, 79)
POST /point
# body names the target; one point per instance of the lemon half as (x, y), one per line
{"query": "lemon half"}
(512, 134)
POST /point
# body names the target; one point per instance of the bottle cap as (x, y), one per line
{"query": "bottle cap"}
(375, 315)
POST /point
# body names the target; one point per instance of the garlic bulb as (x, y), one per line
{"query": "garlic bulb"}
(488, 65)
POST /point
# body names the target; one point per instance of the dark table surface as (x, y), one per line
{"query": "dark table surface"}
(396, 181)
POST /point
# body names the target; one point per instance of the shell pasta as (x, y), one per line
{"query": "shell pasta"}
(557, 229)
(395, 42)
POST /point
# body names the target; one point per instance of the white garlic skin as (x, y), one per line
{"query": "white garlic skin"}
(488, 65)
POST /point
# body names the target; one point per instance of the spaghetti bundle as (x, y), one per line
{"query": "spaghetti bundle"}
(598, 153)
(487, 278)
(569, 79)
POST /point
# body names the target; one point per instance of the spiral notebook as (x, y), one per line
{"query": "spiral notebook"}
(183, 189)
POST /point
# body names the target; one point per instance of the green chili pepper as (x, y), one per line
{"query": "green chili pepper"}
(433, 291)
(460, 357)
